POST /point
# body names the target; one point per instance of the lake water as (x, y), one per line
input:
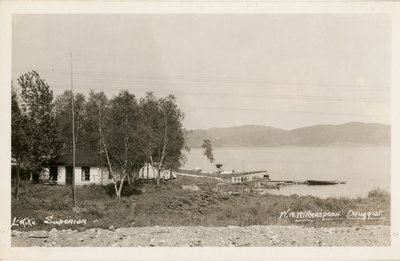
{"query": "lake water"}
(363, 168)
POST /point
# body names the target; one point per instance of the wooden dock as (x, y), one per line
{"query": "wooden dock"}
(261, 178)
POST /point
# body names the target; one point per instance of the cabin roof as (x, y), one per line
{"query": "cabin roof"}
(82, 158)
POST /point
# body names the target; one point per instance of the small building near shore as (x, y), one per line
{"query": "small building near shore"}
(88, 170)
(245, 176)
(150, 172)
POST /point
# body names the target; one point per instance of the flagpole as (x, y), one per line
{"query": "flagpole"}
(73, 137)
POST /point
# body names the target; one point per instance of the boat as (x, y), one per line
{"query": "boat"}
(267, 185)
(197, 170)
(324, 182)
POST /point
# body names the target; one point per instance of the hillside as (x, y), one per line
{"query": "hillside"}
(318, 135)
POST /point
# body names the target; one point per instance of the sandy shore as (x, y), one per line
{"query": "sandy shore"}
(231, 236)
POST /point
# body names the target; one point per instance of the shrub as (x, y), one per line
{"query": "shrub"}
(96, 212)
(127, 189)
(378, 193)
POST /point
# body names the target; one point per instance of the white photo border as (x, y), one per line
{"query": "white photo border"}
(8, 8)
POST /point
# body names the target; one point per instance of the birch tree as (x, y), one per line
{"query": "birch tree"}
(149, 111)
(163, 132)
(122, 141)
(95, 111)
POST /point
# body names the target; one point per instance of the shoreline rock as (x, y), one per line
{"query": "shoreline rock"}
(232, 236)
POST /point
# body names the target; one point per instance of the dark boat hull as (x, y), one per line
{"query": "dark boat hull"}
(321, 182)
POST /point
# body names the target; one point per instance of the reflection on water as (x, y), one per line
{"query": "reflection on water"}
(363, 168)
(318, 191)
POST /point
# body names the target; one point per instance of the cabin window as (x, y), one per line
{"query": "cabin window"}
(85, 173)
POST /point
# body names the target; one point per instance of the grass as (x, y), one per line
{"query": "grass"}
(169, 205)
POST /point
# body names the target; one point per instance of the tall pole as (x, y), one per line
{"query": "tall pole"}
(73, 137)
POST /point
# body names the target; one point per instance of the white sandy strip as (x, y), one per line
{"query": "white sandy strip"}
(197, 176)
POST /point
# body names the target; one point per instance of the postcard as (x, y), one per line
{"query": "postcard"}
(200, 130)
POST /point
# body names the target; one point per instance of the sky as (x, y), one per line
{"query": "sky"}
(281, 70)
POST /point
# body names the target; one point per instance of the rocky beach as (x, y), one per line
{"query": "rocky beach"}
(230, 236)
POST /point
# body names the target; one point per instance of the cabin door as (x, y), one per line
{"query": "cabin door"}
(68, 176)
(53, 173)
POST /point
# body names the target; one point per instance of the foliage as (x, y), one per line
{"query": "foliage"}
(18, 139)
(18, 136)
(121, 138)
(163, 132)
(95, 109)
(125, 132)
(40, 127)
(378, 193)
(127, 189)
(175, 146)
(63, 114)
(208, 150)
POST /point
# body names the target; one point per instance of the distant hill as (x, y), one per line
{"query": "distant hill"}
(318, 135)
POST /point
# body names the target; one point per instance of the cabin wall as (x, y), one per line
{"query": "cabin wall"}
(245, 178)
(105, 176)
(97, 176)
(61, 175)
(148, 172)
(78, 177)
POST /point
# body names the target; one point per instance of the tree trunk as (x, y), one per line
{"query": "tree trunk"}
(104, 144)
(158, 178)
(120, 186)
(17, 179)
(73, 188)
(159, 165)
(116, 190)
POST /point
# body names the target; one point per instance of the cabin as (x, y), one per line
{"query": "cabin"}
(88, 170)
(150, 172)
(244, 176)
